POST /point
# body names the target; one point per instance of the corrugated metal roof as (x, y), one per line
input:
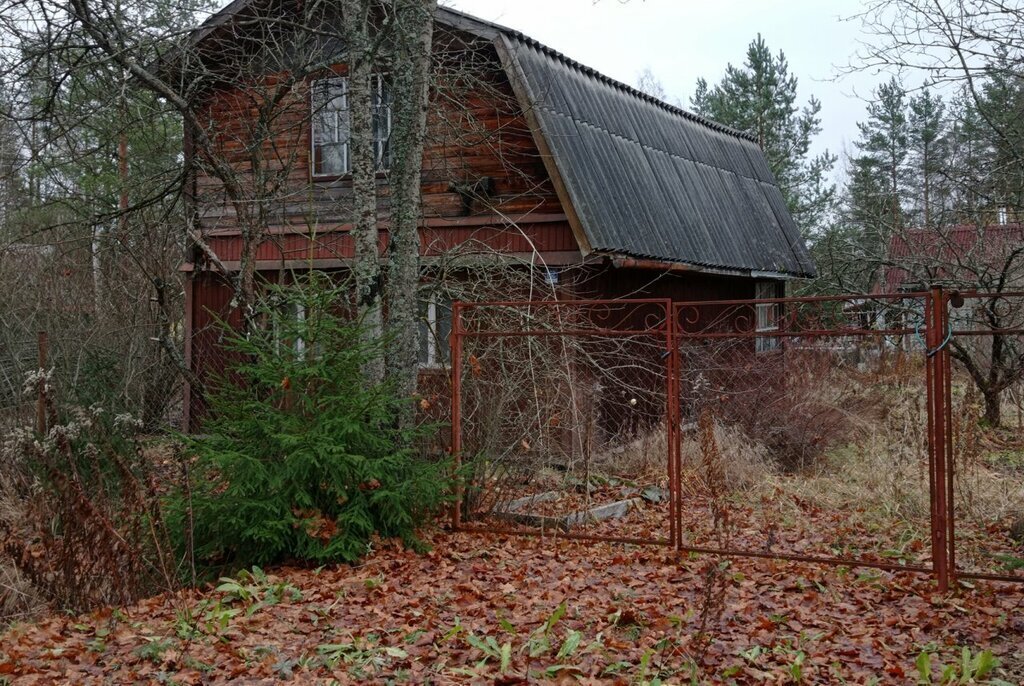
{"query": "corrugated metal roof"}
(651, 181)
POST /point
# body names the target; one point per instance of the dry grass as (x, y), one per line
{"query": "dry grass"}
(744, 463)
(643, 459)
(18, 598)
(887, 465)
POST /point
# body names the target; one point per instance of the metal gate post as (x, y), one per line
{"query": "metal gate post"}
(673, 421)
(946, 360)
(937, 431)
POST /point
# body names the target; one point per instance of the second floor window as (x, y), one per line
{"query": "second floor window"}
(332, 125)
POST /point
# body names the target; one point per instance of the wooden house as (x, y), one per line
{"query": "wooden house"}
(532, 160)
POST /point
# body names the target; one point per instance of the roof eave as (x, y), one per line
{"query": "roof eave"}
(623, 261)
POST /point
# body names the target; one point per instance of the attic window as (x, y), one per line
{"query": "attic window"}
(332, 125)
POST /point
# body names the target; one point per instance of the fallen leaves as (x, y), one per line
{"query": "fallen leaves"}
(512, 610)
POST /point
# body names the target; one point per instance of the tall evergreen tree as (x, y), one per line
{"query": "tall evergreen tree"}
(926, 129)
(883, 149)
(967, 159)
(760, 98)
(1000, 107)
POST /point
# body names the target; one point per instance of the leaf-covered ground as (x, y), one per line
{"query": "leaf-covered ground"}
(481, 609)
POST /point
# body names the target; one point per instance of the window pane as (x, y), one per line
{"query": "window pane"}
(767, 315)
(434, 329)
(330, 126)
(382, 123)
(337, 90)
(332, 158)
(342, 126)
(444, 329)
(424, 335)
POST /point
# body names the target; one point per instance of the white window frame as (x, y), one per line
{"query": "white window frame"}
(300, 343)
(338, 118)
(277, 319)
(766, 316)
(433, 342)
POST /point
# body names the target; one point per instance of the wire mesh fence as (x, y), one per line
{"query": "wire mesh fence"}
(562, 413)
(851, 430)
(805, 429)
(885, 431)
(136, 379)
(986, 438)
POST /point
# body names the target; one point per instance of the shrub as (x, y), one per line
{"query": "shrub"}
(80, 518)
(796, 404)
(301, 459)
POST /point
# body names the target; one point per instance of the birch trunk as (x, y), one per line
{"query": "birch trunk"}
(413, 37)
(366, 266)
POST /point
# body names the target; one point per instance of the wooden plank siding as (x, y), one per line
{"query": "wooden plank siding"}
(477, 134)
(522, 238)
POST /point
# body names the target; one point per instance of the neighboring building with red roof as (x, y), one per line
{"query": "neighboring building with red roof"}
(967, 257)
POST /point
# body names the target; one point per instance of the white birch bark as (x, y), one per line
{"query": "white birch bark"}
(413, 39)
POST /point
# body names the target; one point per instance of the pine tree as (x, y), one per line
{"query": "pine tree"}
(760, 98)
(968, 156)
(884, 147)
(1000, 107)
(926, 131)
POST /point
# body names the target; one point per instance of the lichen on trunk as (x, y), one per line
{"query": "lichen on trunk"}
(366, 266)
(412, 42)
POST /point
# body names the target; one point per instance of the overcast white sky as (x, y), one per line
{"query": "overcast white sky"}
(681, 40)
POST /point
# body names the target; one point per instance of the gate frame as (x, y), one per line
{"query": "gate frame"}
(938, 333)
(458, 333)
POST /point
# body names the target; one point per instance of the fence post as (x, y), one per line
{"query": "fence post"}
(946, 360)
(937, 381)
(673, 427)
(42, 345)
(456, 352)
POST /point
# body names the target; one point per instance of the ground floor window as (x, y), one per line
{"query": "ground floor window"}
(767, 315)
(435, 329)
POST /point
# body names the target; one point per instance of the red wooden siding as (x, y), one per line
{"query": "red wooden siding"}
(289, 244)
(476, 135)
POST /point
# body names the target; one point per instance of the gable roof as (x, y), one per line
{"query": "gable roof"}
(639, 177)
(967, 253)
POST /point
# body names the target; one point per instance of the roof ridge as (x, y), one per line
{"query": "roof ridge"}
(615, 83)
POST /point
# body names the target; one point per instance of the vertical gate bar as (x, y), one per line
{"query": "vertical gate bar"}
(672, 425)
(677, 376)
(456, 348)
(937, 440)
(947, 365)
(930, 424)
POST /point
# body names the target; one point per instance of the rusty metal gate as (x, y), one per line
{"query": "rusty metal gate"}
(818, 429)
